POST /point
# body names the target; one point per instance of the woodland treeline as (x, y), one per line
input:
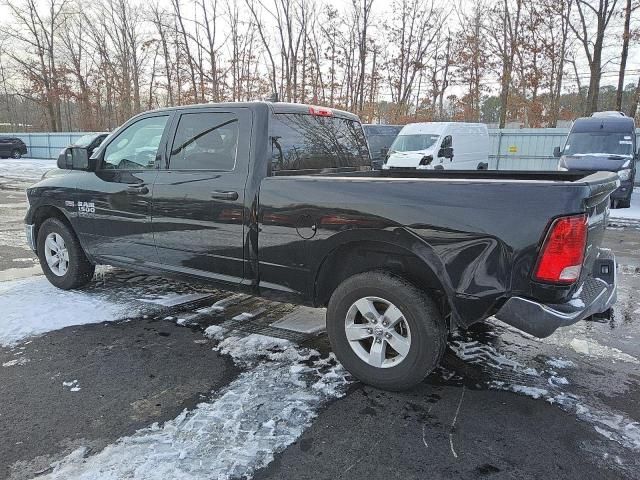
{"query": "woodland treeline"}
(90, 65)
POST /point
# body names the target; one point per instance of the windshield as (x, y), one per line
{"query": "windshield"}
(413, 143)
(85, 140)
(608, 143)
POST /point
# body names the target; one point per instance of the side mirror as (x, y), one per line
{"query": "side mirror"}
(556, 152)
(74, 158)
(446, 152)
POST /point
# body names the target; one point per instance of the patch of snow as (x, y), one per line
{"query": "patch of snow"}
(73, 384)
(556, 381)
(480, 353)
(33, 306)
(30, 169)
(215, 331)
(613, 426)
(256, 416)
(560, 363)
(610, 424)
(593, 348)
(632, 213)
(173, 299)
(16, 362)
(533, 392)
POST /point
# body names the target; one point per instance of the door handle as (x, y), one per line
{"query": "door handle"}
(138, 188)
(220, 195)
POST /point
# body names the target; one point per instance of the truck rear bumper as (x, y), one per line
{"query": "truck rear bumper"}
(596, 295)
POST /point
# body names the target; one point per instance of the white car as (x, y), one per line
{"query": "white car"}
(449, 145)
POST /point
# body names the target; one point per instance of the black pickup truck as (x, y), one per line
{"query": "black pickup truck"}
(279, 200)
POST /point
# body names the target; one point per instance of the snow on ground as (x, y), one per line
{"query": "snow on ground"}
(26, 168)
(547, 385)
(256, 416)
(33, 306)
(632, 213)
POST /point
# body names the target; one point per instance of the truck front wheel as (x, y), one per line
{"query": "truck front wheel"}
(385, 331)
(61, 257)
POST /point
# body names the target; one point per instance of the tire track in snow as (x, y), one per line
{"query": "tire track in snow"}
(510, 375)
(256, 416)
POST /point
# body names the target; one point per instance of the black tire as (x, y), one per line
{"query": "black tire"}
(16, 154)
(424, 320)
(80, 271)
(626, 203)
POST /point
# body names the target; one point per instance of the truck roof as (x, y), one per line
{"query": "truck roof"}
(605, 124)
(275, 107)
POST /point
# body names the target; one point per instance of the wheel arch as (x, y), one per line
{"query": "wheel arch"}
(45, 212)
(358, 256)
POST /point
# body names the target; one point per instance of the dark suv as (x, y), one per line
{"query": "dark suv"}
(12, 147)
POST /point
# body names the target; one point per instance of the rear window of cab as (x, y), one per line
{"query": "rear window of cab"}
(314, 142)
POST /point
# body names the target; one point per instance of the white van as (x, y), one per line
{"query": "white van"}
(449, 145)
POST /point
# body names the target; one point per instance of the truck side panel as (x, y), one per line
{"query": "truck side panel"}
(460, 231)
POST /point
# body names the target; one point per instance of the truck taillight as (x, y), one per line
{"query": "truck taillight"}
(321, 111)
(562, 253)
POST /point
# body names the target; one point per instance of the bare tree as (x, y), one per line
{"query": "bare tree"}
(413, 29)
(36, 31)
(157, 19)
(602, 10)
(471, 56)
(505, 34)
(626, 36)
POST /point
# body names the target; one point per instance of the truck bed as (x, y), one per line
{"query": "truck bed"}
(480, 231)
(471, 175)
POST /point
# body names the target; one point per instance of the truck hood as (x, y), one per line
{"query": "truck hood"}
(54, 172)
(407, 159)
(595, 161)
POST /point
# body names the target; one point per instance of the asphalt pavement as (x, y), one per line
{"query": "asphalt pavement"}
(181, 378)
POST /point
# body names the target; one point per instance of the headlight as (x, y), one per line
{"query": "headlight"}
(426, 160)
(624, 174)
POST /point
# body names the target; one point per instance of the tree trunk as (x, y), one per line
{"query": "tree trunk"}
(623, 56)
(633, 109)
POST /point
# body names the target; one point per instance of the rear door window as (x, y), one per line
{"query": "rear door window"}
(310, 142)
(205, 141)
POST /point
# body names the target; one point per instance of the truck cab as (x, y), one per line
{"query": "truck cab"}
(606, 141)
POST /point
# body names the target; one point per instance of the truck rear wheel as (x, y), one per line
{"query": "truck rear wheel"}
(61, 257)
(385, 331)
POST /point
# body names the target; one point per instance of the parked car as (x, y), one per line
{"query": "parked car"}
(12, 147)
(278, 200)
(434, 145)
(90, 141)
(605, 141)
(380, 138)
